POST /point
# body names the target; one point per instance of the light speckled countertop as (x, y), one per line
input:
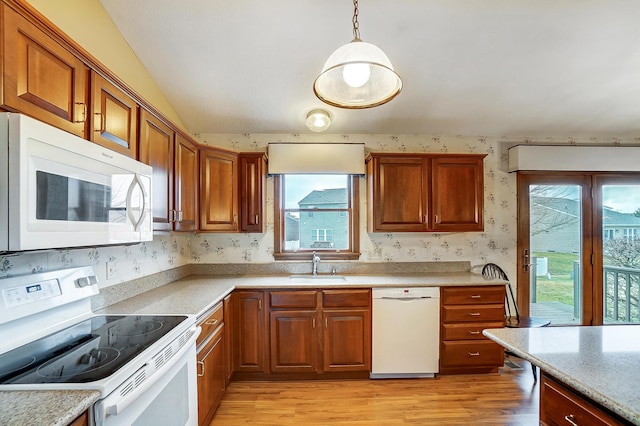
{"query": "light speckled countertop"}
(195, 294)
(52, 408)
(600, 362)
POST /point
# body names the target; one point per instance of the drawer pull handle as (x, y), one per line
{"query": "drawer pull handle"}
(201, 363)
(474, 332)
(570, 418)
(476, 296)
(474, 353)
(214, 322)
(474, 314)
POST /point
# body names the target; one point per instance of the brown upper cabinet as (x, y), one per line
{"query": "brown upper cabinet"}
(156, 150)
(252, 184)
(114, 117)
(218, 190)
(425, 192)
(174, 159)
(41, 78)
(185, 184)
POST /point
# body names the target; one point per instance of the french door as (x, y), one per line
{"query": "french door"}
(579, 247)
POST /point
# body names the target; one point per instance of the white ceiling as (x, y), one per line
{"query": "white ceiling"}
(471, 67)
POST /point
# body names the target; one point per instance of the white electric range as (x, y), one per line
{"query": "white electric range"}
(142, 365)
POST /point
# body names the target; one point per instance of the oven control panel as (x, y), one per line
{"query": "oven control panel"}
(27, 293)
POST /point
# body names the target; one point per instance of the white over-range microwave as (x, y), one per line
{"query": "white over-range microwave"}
(58, 190)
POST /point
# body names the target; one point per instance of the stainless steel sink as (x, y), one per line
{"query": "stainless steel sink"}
(320, 279)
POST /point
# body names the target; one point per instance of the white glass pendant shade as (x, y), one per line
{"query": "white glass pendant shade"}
(357, 75)
(318, 120)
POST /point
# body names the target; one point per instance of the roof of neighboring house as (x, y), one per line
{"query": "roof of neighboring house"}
(560, 205)
(612, 217)
(325, 196)
(571, 207)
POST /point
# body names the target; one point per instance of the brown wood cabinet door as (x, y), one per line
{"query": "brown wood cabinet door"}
(347, 340)
(457, 193)
(294, 341)
(218, 190)
(41, 78)
(114, 117)
(186, 184)
(249, 350)
(156, 150)
(252, 188)
(397, 194)
(211, 377)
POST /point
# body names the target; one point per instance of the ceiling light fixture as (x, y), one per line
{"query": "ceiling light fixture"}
(357, 75)
(318, 120)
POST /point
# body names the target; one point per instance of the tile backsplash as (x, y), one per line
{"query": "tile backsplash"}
(167, 251)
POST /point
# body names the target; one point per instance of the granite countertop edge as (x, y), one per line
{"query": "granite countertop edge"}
(567, 379)
(50, 407)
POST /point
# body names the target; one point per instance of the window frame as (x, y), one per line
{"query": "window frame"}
(353, 205)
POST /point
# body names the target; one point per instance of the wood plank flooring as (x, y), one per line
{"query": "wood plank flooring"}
(508, 398)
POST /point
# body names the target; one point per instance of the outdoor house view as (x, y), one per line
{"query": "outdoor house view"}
(555, 218)
(317, 214)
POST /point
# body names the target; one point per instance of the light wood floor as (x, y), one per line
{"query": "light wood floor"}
(508, 398)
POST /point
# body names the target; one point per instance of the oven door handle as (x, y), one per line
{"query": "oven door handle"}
(120, 404)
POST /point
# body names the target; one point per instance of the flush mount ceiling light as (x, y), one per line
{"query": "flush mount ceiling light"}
(357, 75)
(318, 120)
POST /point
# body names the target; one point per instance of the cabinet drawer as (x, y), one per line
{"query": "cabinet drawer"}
(467, 331)
(559, 406)
(210, 322)
(481, 313)
(472, 295)
(346, 298)
(293, 299)
(471, 353)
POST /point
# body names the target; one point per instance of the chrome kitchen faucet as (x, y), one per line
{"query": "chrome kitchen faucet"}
(314, 262)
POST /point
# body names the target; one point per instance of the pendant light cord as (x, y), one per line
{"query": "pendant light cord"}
(356, 24)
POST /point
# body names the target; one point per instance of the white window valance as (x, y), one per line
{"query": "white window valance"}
(574, 158)
(316, 158)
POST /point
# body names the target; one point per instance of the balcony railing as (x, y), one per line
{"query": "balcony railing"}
(621, 290)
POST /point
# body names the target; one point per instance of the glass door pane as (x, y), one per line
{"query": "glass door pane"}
(555, 241)
(621, 253)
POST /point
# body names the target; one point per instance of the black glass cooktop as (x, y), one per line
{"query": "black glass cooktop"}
(88, 351)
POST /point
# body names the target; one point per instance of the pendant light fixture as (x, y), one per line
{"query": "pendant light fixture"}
(357, 75)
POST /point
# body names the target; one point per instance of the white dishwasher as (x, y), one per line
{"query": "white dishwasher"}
(406, 332)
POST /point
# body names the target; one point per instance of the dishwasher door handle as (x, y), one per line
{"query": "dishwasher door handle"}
(406, 298)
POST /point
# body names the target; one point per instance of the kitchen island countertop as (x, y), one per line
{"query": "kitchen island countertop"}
(601, 362)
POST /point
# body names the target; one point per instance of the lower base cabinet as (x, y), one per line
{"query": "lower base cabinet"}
(81, 420)
(560, 405)
(211, 364)
(320, 331)
(464, 313)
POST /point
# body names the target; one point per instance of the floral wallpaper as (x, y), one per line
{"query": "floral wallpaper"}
(496, 244)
